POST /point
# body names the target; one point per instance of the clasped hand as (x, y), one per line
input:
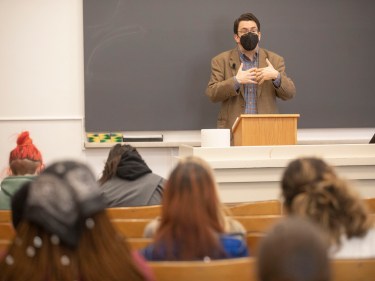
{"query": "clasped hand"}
(256, 75)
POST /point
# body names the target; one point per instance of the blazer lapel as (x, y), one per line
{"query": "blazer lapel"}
(262, 63)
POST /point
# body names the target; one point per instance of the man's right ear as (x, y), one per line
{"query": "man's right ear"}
(236, 38)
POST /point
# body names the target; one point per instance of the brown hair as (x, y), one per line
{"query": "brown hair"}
(191, 213)
(300, 175)
(312, 189)
(101, 255)
(245, 17)
(114, 157)
(294, 250)
(21, 167)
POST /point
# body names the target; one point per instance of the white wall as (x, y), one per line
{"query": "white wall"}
(42, 86)
(41, 58)
(41, 76)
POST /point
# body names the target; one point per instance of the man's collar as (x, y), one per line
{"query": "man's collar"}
(243, 57)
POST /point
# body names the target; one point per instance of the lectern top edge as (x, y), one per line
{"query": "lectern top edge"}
(269, 115)
(262, 116)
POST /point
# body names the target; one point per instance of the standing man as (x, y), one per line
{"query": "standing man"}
(247, 79)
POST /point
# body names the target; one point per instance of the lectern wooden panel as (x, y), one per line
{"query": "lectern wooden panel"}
(265, 129)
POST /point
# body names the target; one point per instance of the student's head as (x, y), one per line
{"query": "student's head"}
(312, 189)
(294, 250)
(117, 155)
(192, 183)
(191, 210)
(63, 232)
(25, 159)
(301, 175)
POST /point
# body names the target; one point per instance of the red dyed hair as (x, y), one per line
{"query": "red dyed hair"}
(25, 149)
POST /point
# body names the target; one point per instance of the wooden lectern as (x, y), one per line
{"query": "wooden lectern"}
(265, 129)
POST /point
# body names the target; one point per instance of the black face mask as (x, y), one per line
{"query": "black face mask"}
(249, 41)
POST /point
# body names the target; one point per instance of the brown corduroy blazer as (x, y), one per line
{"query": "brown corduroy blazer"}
(221, 87)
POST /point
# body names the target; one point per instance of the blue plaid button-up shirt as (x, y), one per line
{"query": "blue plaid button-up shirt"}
(250, 90)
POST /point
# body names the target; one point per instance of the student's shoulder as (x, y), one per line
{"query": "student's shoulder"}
(153, 252)
(25, 178)
(234, 246)
(231, 239)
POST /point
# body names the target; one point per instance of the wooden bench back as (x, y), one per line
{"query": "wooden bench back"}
(253, 240)
(7, 231)
(146, 212)
(131, 228)
(244, 269)
(4, 244)
(138, 243)
(258, 223)
(370, 202)
(241, 269)
(269, 207)
(5, 216)
(353, 269)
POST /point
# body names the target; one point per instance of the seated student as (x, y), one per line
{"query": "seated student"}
(294, 250)
(63, 232)
(312, 189)
(192, 222)
(25, 161)
(128, 181)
